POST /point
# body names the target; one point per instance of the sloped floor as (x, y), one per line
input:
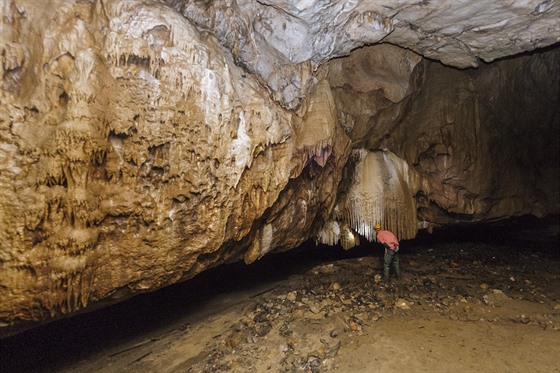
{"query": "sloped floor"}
(472, 300)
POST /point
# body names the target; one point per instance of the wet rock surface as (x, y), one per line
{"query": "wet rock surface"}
(459, 305)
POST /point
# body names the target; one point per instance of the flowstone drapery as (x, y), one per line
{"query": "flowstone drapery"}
(381, 192)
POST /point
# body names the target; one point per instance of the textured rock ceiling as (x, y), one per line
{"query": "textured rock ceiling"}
(142, 142)
(267, 36)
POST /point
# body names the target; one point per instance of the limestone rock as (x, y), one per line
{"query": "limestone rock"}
(282, 41)
(468, 136)
(471, 138)
(142, 142)
(144, 156)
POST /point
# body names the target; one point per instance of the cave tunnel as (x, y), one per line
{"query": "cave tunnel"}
(194, 186)
(503, 255)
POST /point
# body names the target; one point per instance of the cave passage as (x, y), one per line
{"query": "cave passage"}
(63, 344)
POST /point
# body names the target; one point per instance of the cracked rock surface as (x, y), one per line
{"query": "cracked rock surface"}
(282, 41)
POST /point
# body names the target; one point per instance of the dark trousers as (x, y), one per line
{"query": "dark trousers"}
(391, 258)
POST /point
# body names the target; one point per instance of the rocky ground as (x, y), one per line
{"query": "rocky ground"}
(465, 306)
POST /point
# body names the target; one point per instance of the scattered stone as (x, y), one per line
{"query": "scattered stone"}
(355, 327)
(292, 296)
(335, 286)
(315, 308)
(362, 317)
(332, 351)
(403, 304)
(309, 321)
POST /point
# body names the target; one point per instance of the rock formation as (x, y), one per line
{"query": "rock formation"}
(143, 142)
(468, 136)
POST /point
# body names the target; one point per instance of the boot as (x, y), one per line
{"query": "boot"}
(386, 275)
(398, 272)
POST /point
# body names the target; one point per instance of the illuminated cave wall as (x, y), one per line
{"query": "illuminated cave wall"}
(142, 143)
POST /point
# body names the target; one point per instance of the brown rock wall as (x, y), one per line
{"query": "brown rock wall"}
(486, 141)
(482, 143)
(135, 153)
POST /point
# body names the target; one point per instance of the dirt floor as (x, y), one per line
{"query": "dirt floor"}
(490, 305)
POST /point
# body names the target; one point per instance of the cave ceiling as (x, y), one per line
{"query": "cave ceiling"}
(267, 36)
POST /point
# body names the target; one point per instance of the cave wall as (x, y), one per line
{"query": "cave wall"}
(488, 143)
(142, 144)
(135, 153)
(482, 144)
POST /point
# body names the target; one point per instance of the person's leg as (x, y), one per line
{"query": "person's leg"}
(397, 265)
(387, 265)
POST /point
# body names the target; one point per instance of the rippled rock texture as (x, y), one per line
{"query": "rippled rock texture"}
(143, 142)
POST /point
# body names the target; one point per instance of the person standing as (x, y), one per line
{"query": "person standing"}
(391, 244)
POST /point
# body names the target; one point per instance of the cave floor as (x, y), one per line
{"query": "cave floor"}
(464, 306)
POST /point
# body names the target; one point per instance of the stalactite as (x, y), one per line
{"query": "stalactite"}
(348, 239)
(381, 194)
(334, 233)
(261, 244)
(330, 233)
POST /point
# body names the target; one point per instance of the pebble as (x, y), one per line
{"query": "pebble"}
(292, 296)
(336, 314)
(403, 304)
(355, 327)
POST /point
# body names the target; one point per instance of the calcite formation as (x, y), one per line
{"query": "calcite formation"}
(143, 142)
(283, 41)
(381, 192)
(481, 144)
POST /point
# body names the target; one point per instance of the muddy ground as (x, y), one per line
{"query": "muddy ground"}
(469, 301)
